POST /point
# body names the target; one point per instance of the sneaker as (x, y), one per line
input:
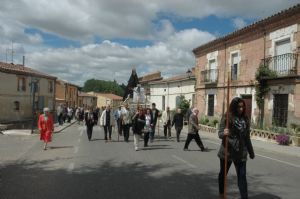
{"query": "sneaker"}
(136, 148)
(204, 149)
(185, 149)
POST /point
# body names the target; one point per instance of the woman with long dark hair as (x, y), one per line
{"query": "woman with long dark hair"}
(239, 145)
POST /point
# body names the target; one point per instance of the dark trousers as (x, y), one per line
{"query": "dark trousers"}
(60, 119)
(109, 129)
(196, 137)
(167, 128)
(178, 131)
(146, 138)
(152, 133)
(119, 126)
(240, 168)
(125, 129)
(89, 131)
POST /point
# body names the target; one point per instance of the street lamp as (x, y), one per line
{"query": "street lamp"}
(189, 73)
(33, 90)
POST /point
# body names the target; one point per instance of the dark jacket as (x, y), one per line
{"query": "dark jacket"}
(193, 124)
(239, 142)
(178, 120)
(155, 116)
(138, 124)
(89, 121)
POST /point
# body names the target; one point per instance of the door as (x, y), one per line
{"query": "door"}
(282, 59)
(248, 102)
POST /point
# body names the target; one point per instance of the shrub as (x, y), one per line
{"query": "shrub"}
(204, 120)
(283, 139)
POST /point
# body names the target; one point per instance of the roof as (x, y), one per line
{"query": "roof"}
(155, 76)
(83, 94)
(107, 95)
(176, 78)
(65, 82)
(256, 25)
(22, 70)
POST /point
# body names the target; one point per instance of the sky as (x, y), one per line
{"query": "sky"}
(76, 40)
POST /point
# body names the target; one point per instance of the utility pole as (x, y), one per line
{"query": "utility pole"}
(33, 90)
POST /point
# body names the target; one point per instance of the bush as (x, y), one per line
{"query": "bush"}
(283, 139)
(204, 120)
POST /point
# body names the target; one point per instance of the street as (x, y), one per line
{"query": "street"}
(75, 168)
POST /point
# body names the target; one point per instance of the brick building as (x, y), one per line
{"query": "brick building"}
(273, 42)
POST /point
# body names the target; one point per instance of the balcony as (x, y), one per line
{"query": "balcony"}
(209, 76)
(283, 65)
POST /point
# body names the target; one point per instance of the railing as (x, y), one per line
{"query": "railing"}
(283, 65)
(209, 76)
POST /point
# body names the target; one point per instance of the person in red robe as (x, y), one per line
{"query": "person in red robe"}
(46, 127)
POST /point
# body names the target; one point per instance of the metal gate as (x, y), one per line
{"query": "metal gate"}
(280, 110)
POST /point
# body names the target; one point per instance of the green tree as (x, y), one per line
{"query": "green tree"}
(103, 86)
(184, 105)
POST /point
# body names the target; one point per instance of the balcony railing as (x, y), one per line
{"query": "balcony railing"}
(283, 65)
(209, 76)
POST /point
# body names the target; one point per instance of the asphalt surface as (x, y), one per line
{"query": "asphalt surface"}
(76, 168)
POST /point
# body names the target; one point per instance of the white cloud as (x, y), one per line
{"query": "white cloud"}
(82, 20)
(239, 23)
(109, 60)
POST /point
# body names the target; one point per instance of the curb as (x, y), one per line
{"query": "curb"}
(58, 131)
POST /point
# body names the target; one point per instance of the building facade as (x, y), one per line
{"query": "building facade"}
(105, 99)
(86, 100)
(66, 93)
(24, 91)
(167, 92)
(274, 43)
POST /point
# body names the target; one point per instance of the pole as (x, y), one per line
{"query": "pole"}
(226, 138)
(33, 87)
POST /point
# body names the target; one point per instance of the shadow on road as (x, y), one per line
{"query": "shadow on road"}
(111, 180)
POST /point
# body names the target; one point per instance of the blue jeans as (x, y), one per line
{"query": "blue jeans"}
(240, 168)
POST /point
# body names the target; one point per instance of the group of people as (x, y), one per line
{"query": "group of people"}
(143, 121)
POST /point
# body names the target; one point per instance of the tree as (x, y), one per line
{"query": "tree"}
(103, 86)
(184, 105)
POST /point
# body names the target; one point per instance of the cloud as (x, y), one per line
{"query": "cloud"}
(239, 23)
(110, 60)
(83, 20)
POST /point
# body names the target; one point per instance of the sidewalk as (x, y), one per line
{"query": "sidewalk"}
(267, 146)
(57, 128)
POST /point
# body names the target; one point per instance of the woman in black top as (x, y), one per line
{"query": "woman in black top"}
(239, 145)
(178, 121)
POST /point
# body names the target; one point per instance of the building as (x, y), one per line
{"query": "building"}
(66, 93)
(145, 83)
(86, 100)
(273, 42)
(18, 101)
(104, 99)
(167, 92)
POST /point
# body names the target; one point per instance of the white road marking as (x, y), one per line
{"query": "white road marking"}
(71, 166)
(274, 159)
(76, 149)
(182, 160)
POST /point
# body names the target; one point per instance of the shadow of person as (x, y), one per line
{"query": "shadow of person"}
(264, 196)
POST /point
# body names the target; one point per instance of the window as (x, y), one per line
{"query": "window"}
(178, 100)
(280, 110)
(210, 105)
(21, 84)
(50, 86)
(212, 70)
(234, 66)
(163, 102)
(17, 105)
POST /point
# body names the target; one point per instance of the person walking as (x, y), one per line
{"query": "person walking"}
(46, 127)
(178, 121)
(193, 129)
(117, 116)
(155, 114)
(148, 126)
(138, 126)
(166, 118)
(126, 118)
(89, 122)
(239, 145)
(107, 121)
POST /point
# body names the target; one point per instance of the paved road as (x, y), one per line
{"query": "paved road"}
(75, 168)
